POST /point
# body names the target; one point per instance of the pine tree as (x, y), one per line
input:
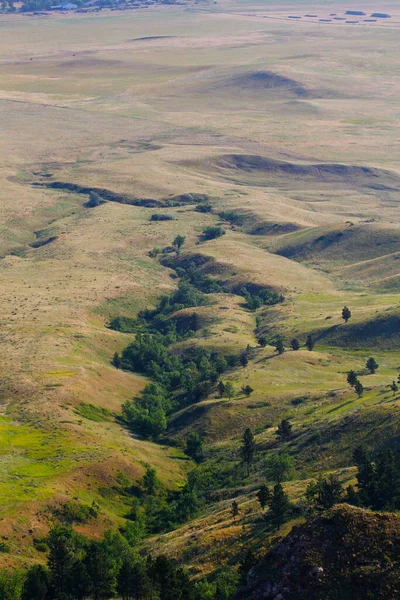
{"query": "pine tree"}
(366, 477)
(116, 361)
(295, 344)
(248, 448)
(243, 359)
(133, 580)
(324, 492)
(247, 390)
(284, 430)
(262, 340)
(279, 347)
(346, 314)
(194, 322)
(352, 378)
(63, 555)
(279, 506)
(37, 584)
(371, 365)
(359, 388)
(150, 481)
(263, 496)
(102, 572)
(194, 446)
(235, 509)
(394, 387)
(221, 389)
(310, 343)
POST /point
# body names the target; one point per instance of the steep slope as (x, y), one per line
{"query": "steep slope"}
(346, 553)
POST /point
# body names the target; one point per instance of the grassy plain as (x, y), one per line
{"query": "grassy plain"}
(158, 102)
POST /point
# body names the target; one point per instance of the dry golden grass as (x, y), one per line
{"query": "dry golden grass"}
(99, 107)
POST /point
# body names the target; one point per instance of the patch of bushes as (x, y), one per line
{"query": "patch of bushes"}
(204, 207)
(94, 200)
(212, 232)
(76, 512)
(257, 296)
(161, 217)
(233, 217)
(43, 242)
(124, 324)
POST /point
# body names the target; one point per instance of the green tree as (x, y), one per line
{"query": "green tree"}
(359, 388)
(150, 482)
(178, 243)
(262, 341)
(263, 496)
(229, 389)
(248, 449)
(247, 390)
(346, 314)
(324, 492)
(295, 344)
(133, 582)
(243, 359)
(63, 555)
(221, 389)
(284, 430)
(279, 506)
(194, 446)
(235, 509)
(116, 361)
(352, 378)
(279, 467)
(371, 365)
(37, 584)
(102, 572)
(394, 387)
(310, 344)
(279, 346)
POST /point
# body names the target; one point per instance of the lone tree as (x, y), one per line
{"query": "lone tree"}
(359, 388)
(284, 430)
(235, 509)
(248, 449)
(346, 314)
(279, 467)
(247, 390)
(178, 243)
(243, 359)
(310, 343)
(229, 389)
(262, 340)
(394, 387)
(295, 344)
(221, 389)
(352, 378)
(263, 496)
(279, 347)
(279, 506)
(371, 365)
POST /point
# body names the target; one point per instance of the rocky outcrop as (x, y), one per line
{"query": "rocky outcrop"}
(345, 554)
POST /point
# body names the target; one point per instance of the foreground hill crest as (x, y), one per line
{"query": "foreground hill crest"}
(346, 553)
